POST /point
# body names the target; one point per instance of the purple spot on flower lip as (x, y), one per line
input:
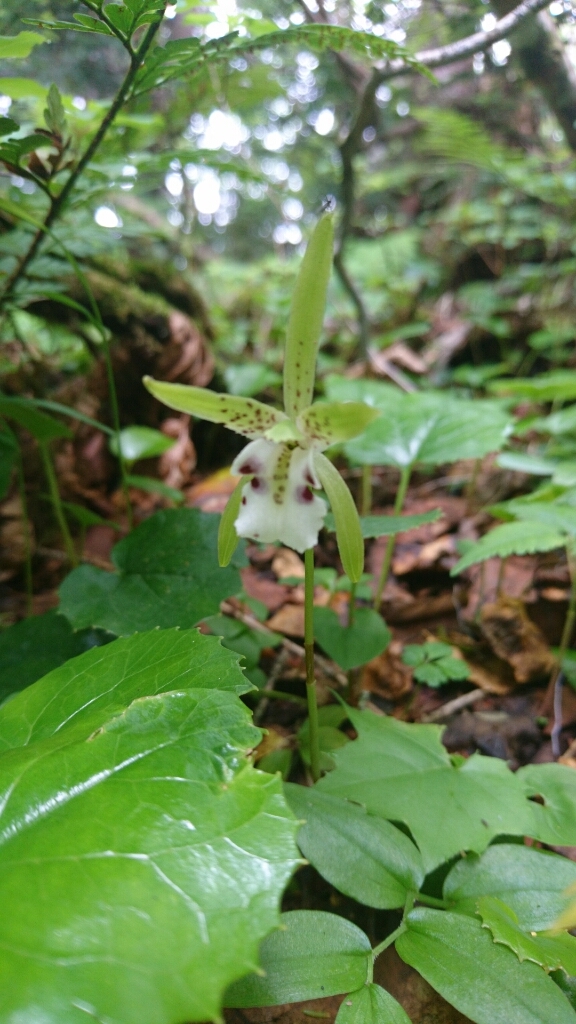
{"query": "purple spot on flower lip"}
(309, 478)
(257, 484)
(250, 466)
(304, 495)
(244, 501)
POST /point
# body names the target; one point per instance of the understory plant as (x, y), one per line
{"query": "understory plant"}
(143, 857)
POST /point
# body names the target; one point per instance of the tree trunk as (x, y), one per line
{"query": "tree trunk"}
(542, 56)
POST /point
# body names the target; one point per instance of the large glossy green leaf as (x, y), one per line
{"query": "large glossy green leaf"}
(371, 1005)
(35, 646)
(432, 428)
(364, 857)
(141, 857)
(373, 392)
(168, 575)
(402, 772)
(314, 954)
(87, 690)
(350, 646)
(531, 882)
(485, 981)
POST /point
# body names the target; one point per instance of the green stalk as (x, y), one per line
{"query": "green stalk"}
(309, 657)
(410, 899)
(57, 503)
(116, 423)
(398, 505)
(352, 604)
(27, 534)
(366, 491)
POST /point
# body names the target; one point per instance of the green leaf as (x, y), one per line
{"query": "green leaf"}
(385, 526)
(168, 575)
(375, 393)
(22, 88)
(20, 46)
(519, 538)
(140, 443)
(39, 424)
(433, 663)
(364, 857)
(236, 636)
(7, 126)
(83, 23)
(307, 315)
(485, 982)
(522, 462)
(35, 646)
(403, 773)
(371, 1005)
(120, 17)
(559, 385)
(154, 486)
(54, 115)
(244, 415)
(531, 882)
(227, 535)
(348, 532)
(250, 378)
(332, 422)
(90, 689)
(350, 646)
(555, 817)
(320, 37)
(314, 955)
(432, 428)
(551, 952)
(141, 857)
(8, 457)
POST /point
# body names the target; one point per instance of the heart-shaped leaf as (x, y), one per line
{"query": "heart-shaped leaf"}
(168, 576)
(350, 646)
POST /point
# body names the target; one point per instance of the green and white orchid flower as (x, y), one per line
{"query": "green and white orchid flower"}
(283, 465)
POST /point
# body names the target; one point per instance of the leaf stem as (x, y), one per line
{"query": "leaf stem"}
(398, 505)
(431, 901)
(311, 696)
(57, 503)
(410, 898)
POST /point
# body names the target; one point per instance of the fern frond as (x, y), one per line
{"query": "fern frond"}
(525, 537)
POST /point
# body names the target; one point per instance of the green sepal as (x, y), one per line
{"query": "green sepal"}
(306, 317)
(246, 416)
(348, 529)
(227, 536)
(332, 422)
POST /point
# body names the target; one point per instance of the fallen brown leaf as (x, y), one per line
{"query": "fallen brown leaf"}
(515, 639)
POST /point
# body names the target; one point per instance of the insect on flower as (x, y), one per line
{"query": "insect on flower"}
(283, 467)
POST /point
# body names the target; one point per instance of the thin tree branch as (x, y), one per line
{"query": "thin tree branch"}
(58, 203)
(476, 43)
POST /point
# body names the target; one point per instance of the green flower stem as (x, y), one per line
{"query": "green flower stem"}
(366, 491)
(352, 604)
(27, 534)
(57, 504)
(398, 505)
(116, 422)
(309, 657)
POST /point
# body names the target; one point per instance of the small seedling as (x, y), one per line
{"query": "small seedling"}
(434, 663)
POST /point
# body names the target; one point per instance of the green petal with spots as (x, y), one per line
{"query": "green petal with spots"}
(348, 529)
(284, 431)
(227, 536)
(331, 422)
(244, 415)
(306, 317)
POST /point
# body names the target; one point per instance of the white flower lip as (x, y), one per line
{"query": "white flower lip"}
(278, 503)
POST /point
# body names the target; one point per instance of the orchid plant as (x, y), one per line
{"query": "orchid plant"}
(283, 467)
